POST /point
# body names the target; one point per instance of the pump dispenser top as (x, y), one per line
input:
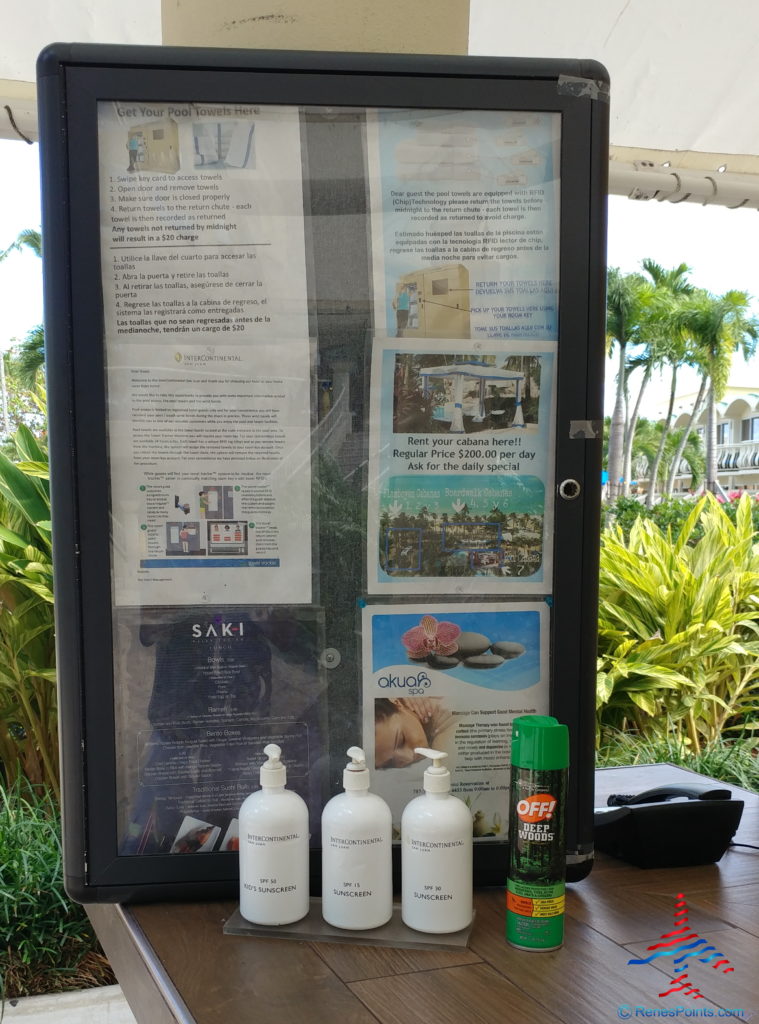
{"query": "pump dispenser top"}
(273, 772)
(356, 774)
(437, 778)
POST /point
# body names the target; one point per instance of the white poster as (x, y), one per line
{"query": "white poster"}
(465, 223)
(451, 677)
(461, 467)
(207, 351)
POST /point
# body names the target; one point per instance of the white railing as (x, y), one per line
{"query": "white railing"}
(738, 456)
(742, 456)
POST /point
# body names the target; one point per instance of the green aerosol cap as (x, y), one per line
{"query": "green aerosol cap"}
(539, 742)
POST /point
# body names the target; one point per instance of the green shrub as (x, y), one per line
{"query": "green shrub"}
(46, 942)
(731, 761)
(668, 513)
(679, 627)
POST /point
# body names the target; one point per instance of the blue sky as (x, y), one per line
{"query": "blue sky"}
(718, 244)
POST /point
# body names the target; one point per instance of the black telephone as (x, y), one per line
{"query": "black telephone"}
(658, 828)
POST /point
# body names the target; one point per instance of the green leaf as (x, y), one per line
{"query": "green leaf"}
(36, 469)
(20, 492)
(646, 702)
(12, 538)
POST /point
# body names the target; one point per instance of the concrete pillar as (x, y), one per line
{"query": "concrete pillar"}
(379, 26)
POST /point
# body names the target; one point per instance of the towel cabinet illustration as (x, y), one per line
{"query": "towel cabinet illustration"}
(437, 302)
(154, 146)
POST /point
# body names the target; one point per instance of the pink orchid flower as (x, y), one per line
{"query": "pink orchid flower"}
(431, 637)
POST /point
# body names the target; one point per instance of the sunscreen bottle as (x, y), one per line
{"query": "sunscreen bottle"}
(357, 869)
(436, 855)
(273, 849)
(537, 844)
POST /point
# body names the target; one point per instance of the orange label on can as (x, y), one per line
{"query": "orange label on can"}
(519, 904)
(539, 807)
(526, 907)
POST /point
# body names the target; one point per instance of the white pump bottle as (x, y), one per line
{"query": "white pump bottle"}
(436, 855)
(273, 849)
(357, 873)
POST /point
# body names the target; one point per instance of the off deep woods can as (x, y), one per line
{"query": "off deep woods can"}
(537, 843)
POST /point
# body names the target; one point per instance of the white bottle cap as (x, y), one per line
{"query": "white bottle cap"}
(437, 778)
(356, 774)
(273, 772)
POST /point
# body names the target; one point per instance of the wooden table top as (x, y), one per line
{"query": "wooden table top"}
(174, 963)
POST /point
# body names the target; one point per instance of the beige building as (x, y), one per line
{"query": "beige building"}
(737, 440)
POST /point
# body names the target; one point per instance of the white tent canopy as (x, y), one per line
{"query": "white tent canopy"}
(684, 86)
(33, 25)
(472, 371)
(684, 82)
(683, 74)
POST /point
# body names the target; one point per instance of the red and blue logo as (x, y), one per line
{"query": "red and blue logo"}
(684, 945)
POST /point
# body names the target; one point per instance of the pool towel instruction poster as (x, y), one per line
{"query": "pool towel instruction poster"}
(452, 677)
(208, 353)
(465, 233)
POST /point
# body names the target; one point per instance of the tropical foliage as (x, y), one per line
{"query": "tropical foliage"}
(28, 711)
(658, 320)
(626, 297)
(22, 405)
(22, 369)
(29, 355)
(679, 627)
(652, 450)
(668, 514)
(719, 326)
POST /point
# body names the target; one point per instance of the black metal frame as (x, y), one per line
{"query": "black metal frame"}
(72, 79)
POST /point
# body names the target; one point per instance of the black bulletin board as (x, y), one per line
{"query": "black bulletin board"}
(325, 349)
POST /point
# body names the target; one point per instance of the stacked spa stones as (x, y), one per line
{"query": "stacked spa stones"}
(475, 650)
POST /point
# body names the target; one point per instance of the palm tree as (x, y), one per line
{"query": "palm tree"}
(651, 457)
(686, 433)
(28, 239)
(719, 326)
(665, 345)
(691, 453)
(30, 358)
(625, 296)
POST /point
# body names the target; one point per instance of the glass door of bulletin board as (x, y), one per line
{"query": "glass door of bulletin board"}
(325, 348)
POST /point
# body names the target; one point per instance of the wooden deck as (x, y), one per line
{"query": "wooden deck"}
(174, 963)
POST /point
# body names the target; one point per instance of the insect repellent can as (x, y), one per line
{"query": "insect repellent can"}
(537, 843)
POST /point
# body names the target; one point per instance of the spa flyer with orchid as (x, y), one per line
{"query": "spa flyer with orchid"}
(451, 677)
(461, 467)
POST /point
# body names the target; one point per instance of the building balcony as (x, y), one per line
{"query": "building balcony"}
(737, 467)
(741, 455)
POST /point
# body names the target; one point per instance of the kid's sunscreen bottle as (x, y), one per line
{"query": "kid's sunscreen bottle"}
(274, 849)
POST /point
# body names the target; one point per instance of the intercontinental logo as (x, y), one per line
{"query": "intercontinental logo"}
(204, 358)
